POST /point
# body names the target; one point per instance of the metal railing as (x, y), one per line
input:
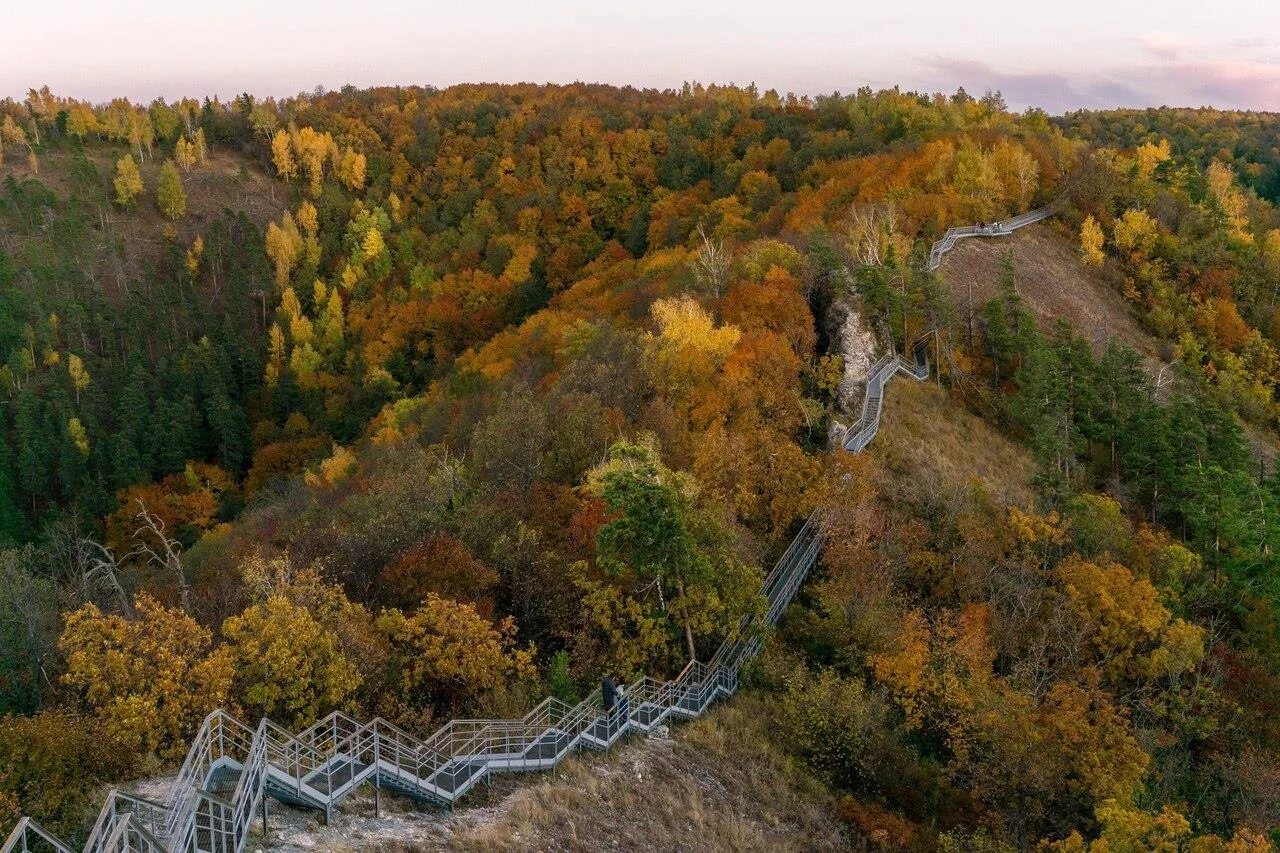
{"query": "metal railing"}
(322, 764)
(999, 228)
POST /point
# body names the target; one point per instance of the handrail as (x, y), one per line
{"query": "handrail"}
(270, 760)
(27, 831)
(999, 228)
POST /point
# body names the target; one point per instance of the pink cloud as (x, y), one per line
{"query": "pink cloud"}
(1164, 46)
(1171, 70)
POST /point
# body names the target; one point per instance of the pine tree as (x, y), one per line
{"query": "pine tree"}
(12, 521)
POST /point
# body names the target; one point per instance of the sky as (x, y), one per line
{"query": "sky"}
(1058, 55)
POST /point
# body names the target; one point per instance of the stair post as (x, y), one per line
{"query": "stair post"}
(377, 774)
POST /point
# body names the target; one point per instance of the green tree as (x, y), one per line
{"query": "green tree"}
(171, 198)
(28, 628)
(658, 534)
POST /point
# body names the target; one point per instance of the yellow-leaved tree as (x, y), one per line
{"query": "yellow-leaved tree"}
(687, 347)
(128, 181)
(200, 147)
(184, 153)
(333, 470)
(11, 134)
(78, 436)
(1091, 241)
(1135, 231)
(1127, 828)
(79, 376)
(1234, 205)
(284, 246)
(351, 169)
(1148, 156)
(309, 221)
(287, 665)
(194, 254)
(150, 678)
(1132, 633)
(282, 156)
(171, 198)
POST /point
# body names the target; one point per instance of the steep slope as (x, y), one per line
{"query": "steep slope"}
(1055, 285)
(934, 439)
(131, 239)
(1052, 281)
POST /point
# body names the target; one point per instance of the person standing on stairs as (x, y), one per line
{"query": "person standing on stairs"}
(624, 707)
(608, 693)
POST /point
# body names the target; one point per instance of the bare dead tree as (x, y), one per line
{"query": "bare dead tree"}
(1163, 379)
(711, 265)
(98, 569)
(867, 233)
(165, 553)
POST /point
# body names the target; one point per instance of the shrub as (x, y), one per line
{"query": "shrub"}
(149, 679)
(54, 763)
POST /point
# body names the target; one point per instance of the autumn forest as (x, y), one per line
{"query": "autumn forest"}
(421, 403)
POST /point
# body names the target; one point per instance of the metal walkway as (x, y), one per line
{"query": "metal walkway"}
(999, 228)
(232, 767)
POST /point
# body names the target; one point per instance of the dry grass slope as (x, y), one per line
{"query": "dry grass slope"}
(1053, 282)
(717, 785)
(927, 437)
(1056, 285)
(132, 238)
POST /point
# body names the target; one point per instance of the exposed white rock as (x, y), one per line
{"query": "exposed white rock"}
(856, 343)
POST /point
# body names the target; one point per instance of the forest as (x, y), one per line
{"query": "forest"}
(418, 403)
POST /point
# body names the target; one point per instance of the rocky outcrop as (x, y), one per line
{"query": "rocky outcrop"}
(853, 339)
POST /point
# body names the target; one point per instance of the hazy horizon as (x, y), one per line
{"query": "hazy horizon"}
(1097, 55)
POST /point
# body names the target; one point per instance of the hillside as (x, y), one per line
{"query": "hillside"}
(486, 394)
(1053, 281)
(713, 784)
(130, 240)
(929, 437)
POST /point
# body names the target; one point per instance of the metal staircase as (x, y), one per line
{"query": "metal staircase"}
(232, 767)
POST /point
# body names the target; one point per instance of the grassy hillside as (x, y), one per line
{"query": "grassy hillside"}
(1053, 281)
(929, 436)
